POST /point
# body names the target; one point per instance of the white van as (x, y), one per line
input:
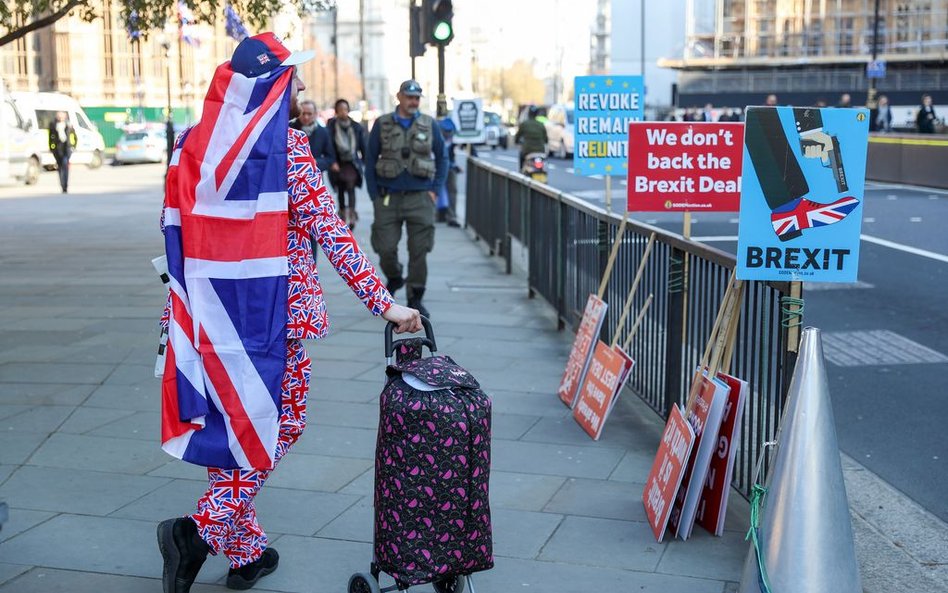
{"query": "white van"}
(40, 109)
(17, 159)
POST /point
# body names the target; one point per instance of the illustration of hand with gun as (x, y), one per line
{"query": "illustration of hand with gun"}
(819, 144)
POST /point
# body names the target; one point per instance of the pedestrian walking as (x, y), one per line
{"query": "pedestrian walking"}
(880, 119)
(241, 204)
(62, 141)
(319, 141)
(447, 210)
(925, 118)
(404, 166)
(345, 175)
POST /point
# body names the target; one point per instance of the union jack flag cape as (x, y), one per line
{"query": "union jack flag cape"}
(225, 224)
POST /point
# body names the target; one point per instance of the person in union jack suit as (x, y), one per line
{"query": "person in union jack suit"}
(244, 200)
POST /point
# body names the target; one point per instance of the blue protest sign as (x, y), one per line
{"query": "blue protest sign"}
(604, 108)
(804, 177)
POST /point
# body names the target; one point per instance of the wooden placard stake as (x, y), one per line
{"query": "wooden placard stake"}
(612, 256)
(632, 291)
(638, 321)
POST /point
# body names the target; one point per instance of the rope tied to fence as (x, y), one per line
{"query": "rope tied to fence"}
(676, 273)
(792, 311)
(753, 534)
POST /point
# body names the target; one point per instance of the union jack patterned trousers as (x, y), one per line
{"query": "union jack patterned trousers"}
(226, 517)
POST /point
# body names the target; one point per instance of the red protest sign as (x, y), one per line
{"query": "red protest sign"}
(586, 338)
(600, 389)
(713, 505)
(677, 167)
(667, 471)
(705, 419)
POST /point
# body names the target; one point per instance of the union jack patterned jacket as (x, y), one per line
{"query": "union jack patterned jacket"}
(313, 215)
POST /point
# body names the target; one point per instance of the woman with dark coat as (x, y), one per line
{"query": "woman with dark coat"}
(345, 175)
(62, 140)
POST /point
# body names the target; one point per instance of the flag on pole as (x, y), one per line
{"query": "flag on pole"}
(186, 25)
(133, 27)
(225, 223)
(233, 24)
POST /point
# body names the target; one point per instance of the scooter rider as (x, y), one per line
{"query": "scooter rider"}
(531, 135)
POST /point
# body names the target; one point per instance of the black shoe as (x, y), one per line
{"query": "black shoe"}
(183, 551)
(453, 223)
(395, 283)
(414, 301)
(247, 575)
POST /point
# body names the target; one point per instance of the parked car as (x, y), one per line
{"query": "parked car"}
(17, 159)
(560, 129)
(40, 110)
(143, 146)
(496, 131)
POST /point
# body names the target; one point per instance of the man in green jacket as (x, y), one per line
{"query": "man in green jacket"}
(531, 135)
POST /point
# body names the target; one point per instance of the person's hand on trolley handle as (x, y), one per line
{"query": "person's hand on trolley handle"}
(405, 319)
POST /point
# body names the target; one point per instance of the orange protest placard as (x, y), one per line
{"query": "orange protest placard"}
(667, 471)
(586, 338)
(600, 389)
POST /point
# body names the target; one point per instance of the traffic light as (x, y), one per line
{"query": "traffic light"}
(438, 15)
(417, 36)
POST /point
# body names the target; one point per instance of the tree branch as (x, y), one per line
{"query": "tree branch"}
(40, 23)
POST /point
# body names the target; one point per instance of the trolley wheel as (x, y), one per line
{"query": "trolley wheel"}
(363, 582)
(453, 584)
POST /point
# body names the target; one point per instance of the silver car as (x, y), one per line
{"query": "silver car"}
(146, 146)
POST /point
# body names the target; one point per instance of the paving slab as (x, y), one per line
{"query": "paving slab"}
(605, 499)
(8, 572)
(521, 491)
(85, 452)
(64, 373)
(34, 394)
(142, 397)
(514, 574)
(46, 580)
(522, 534)
(15, 448)
(37, 419)
(22, 520)
(705, 555)
(559, 460)
(604, 542)
(317, 472)
(64, 490)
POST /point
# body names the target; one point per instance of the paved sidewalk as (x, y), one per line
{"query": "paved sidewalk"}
(86, 481)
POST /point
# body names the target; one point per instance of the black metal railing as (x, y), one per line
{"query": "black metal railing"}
(568, 242)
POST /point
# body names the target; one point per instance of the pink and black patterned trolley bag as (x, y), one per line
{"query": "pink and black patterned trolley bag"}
(432, 467)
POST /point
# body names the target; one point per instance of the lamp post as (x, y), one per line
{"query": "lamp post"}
(871, 94)
(169, 122)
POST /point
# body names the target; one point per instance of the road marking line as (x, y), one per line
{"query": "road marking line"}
(508, 159)
(714, 238)
(906, 248)
(932, 197)
(868, 219)
(733, 220)
(892, 197)
(880, 186)
(570, 170)
(915, 219)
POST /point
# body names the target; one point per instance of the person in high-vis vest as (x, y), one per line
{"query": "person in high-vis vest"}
(405, 165)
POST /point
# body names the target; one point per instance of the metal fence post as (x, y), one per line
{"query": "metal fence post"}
(673, 329)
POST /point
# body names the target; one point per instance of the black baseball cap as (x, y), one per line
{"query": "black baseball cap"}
(410, 88)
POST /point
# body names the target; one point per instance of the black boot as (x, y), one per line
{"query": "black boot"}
(394, 283)
(247, 575)
(183, 551)
(414, 300)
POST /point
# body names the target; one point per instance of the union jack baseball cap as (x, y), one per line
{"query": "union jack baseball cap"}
(262, 53)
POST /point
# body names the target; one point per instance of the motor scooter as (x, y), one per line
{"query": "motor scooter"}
(534, 166)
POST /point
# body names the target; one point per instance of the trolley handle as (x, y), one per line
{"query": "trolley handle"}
(429, 339)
